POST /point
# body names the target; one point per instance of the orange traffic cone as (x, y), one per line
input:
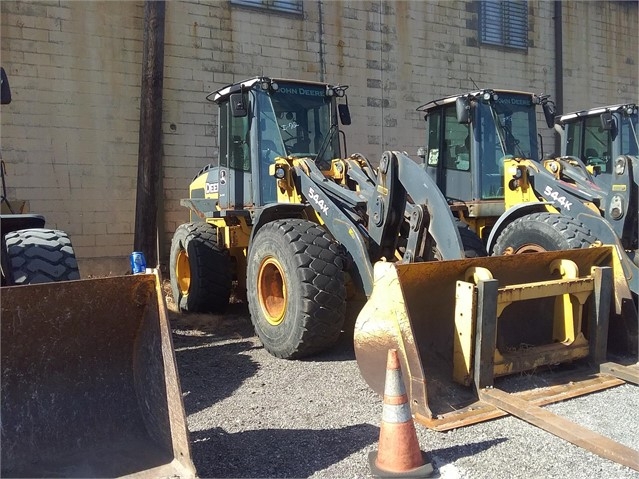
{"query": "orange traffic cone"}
(398, 454)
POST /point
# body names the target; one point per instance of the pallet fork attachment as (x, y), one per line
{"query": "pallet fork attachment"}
(468, 322)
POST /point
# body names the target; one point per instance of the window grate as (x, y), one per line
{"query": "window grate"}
(289, 6)
(504, 23)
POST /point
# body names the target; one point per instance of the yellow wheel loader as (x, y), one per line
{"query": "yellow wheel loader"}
(605, 139)
(305, 228)
(88, 375)
(483, 152)
(296, 225)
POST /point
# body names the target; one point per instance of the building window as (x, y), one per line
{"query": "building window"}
(504, 23)
(289, 6)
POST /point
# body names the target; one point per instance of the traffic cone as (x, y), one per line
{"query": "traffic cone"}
(398, 453)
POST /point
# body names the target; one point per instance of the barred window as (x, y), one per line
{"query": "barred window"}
(504, 23)
(289, 6)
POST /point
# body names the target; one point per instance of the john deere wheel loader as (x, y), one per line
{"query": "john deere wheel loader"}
(89, 382)
(294, 223)
(484, 155)
(304, 228)
(606, 140)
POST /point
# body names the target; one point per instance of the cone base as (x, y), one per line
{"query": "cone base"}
(417, 473)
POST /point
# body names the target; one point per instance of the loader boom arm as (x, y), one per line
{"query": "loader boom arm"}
(405, 192)
(404, 203)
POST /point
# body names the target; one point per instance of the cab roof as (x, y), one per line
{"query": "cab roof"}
(452, 98)
(568, 117)
(223, 93)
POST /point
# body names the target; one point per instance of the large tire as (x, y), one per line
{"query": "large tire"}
(39, 255)
(542, 232)
(200, 269)
(473, 245)
(296, 288)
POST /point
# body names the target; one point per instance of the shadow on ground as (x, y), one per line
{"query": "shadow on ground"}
(447, 455)
(210, 373)
(276, 452)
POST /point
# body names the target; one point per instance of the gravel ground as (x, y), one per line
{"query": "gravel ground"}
(252, 415)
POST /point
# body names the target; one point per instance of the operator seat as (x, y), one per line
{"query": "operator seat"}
(591, 153)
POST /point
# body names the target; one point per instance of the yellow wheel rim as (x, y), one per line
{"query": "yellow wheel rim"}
(271, 291)
(183, 272)
(526, 248)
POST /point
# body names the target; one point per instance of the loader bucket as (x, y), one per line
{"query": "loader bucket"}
(545, 312)
(89, 381)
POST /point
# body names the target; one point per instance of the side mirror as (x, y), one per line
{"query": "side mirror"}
(344, 114)
(607, 121)
(462, 105)
(549, 113)
(238, 106)
(609, 124)
(5, 91)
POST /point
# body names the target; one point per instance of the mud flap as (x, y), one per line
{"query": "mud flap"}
(419, 310)
(89, 381)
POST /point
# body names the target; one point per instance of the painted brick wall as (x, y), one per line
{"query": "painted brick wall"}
(70, 137)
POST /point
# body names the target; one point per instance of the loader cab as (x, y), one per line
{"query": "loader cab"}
(262, 119)
(599, 136)
(468, 138)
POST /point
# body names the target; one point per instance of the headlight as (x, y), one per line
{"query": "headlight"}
(280, 172)
(620, 165)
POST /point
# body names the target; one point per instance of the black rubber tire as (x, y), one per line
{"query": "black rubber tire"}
(543, 231)
(210, 269)
(39, 255)
(311, 270)
(473, 245)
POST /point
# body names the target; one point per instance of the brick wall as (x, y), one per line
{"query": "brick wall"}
(70, 137)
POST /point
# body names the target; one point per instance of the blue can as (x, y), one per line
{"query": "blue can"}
(138, 263)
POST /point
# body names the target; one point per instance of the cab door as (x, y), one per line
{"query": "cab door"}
(235, 181)
(449, 152)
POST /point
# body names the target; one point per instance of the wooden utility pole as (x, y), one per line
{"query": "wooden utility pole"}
(150, 148)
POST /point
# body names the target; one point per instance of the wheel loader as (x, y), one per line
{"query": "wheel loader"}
(294, 223)
(483, 152)
(89, 381)
(305, 229)
(605, 139)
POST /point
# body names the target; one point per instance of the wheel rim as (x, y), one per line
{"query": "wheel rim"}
(525, 248)
(183, 272)
(271, 291)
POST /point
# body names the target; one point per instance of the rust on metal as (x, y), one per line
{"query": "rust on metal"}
(89, 381)
(520, 313)
(412, 309)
